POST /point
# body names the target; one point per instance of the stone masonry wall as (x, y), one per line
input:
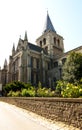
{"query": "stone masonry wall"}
(65, 110)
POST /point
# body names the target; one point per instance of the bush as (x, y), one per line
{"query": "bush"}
(44, 92)
(28, 93)
(14, 94)
(60, 86)
(25, 93)
(14, 86)
(69, 90)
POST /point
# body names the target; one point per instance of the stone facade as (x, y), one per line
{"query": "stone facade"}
(33, 63)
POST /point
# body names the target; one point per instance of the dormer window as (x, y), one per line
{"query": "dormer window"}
(44, 41)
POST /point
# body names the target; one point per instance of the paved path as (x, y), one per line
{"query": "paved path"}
(14, 118)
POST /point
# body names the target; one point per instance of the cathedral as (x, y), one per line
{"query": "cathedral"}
(42, 62)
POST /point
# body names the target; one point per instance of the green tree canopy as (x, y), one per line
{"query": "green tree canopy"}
(72, 69)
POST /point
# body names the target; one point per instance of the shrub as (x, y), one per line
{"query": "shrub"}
(60, 86)
(28, 93)
(14, 94)
(14, 86)
(44, 92)
(25, 93)
(69, 90)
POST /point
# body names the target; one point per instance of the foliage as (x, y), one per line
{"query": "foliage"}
(69, 90)
(71, 84)
(14, 86)
(28, 93)
(44, 92)
(72, 69)
(17, 89)
(39, 85)
(60, 86)
(14, 94)
(63, 89)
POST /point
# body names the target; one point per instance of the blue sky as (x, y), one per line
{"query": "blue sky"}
(18, 16)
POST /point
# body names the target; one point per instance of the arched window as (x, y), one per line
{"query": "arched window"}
(44, 41)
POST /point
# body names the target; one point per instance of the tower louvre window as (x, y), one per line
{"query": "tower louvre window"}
(40, 43)
(58, 42)
(54, 40)
(44, 41)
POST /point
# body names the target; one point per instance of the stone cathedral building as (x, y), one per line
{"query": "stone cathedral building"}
(33, 63)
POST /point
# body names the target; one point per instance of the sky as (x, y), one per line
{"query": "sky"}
(18, 16)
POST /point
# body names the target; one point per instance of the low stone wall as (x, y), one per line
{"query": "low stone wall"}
(67, 110)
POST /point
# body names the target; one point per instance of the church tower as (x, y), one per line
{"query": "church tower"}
(50, 41)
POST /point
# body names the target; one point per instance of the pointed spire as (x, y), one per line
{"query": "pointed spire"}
(25, 37)
(13, 49)
(19, 40)
(5, 63)
(48, 25)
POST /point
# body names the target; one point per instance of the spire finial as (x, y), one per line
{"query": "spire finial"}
(20, 37)
(47, 11)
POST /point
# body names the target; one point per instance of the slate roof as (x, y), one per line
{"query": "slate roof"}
(35, 47)
(48, 25)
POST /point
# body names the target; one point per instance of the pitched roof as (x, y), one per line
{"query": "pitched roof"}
(35, 47)
(48, 25)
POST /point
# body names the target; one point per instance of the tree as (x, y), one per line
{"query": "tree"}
(72, 69)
